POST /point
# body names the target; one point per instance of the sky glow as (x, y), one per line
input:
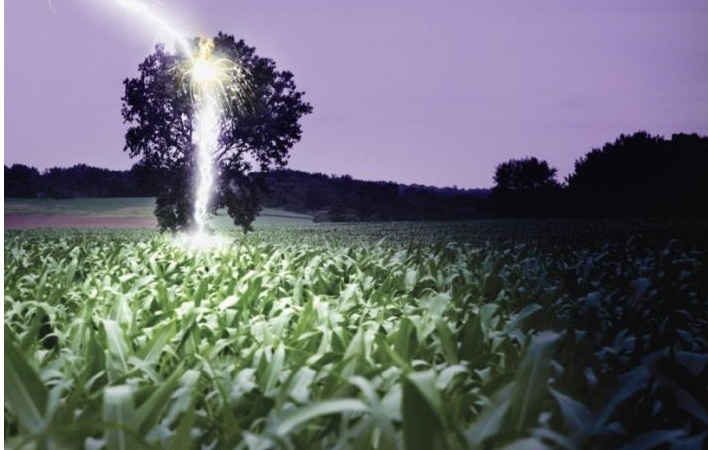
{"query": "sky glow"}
(406, 90)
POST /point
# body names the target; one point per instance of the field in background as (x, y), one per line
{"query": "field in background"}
(129, 212)
(488, 334)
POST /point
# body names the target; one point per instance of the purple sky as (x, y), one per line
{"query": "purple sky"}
(432, 92)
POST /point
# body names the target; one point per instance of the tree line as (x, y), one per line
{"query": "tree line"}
(23, 181)
(637, 175)
(326, 197)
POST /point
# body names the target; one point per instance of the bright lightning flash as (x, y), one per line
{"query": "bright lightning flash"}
(204, 71)
(210, 79)
(144, 11)
(212, 83)
(209, 75)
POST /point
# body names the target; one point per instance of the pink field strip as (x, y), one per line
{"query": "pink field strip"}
(49, 221)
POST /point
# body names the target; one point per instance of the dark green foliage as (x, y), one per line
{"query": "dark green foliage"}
(260, 124)
(241, 195)
(489, 334)
(641, 175)
(525, 188)
(525, 175)
(345, 199)
(21, 181)
(328, 198)
(173, 205)
(638, 175)
(77, 181)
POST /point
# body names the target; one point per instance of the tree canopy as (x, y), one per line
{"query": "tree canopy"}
(641, 175)
(260, 124)
(523, 175)
(524, 188)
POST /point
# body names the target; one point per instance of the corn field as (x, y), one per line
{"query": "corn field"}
(408, 336)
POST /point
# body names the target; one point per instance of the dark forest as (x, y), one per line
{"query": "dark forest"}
(637, 175)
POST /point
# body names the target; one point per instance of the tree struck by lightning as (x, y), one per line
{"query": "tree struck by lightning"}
(210, 81)
(207, 120)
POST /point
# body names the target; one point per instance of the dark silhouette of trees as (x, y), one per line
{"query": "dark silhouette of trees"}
(345, 199)
(637, 175)
(641, 175)
(260, 124)
(21, 181)
(63, 183)
(77, 181)
(328, 198)
(525, 187)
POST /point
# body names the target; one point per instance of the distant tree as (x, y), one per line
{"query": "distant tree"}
(341, 209)
(260, 124)
(641, 175)
(314, 200)
(525, 187)
(525, 175)
(86, 181)
(21, 181)
(344, 199)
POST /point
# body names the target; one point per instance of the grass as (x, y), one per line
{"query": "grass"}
(111, 207)
(542, 334)
(127, 208)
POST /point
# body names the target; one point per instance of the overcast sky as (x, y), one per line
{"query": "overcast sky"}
(431, 92)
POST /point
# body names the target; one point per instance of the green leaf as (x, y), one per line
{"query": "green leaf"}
(575, 414)
(151, 351)
(148, 413)
(423, 416)
(489, 422)
(70, 273)
(681, 382)
(530, 386)
(525, 313)
(437, 304)
(445, 377)
(23, 389)
(299, 389)
(302, 415)
(472, 341)
(201, 292)
(411, 279)
(626, 386)
(406, 340)
(115, 341)
(117, 412)
(394, 357)
(447, 342)
(182, 439)
(274, 369)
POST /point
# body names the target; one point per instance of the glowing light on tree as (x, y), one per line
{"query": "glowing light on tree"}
(211, 81)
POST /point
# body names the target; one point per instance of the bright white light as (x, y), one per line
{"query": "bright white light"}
(196, 242)
(146, 12)
(208, 77)
(204, 72)
(206, 139)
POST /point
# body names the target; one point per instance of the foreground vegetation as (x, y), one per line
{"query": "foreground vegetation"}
(485, 335)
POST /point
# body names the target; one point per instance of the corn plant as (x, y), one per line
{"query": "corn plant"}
(483, 335)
